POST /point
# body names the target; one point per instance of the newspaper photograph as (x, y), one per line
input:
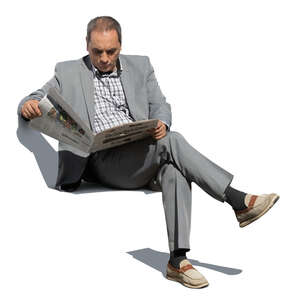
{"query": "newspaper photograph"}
(56, 123)
(59, 121)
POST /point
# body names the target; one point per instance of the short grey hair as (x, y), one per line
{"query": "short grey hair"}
(103, 23)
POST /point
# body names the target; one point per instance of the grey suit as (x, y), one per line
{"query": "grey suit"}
(170, 161)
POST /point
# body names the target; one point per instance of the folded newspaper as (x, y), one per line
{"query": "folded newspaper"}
(59, 121)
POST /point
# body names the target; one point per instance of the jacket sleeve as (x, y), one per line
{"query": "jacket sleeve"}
(158, 107)
(40, 93)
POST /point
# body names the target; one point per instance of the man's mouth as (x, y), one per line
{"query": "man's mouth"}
(104, 66)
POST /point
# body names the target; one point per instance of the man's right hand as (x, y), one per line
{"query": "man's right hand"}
(30, 109)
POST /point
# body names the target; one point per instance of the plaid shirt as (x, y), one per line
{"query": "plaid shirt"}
(111, 108)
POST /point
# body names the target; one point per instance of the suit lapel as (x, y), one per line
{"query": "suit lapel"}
(87, 83)
(128, 86)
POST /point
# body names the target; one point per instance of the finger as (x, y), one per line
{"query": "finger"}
(24, 114)
(27, 113)
(160, 125)
(158, 129)
(38, 108)
(34, 109)
(33, 112)
(159, 135)
(159, 132)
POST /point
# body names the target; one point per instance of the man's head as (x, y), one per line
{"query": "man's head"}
(104, 42)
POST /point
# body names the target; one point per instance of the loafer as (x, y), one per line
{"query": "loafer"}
(187, 275)
(257, 206)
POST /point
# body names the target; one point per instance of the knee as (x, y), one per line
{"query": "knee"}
(174, 135)
(168, 174)
(165, 145)
(175, 139)
(170, 136)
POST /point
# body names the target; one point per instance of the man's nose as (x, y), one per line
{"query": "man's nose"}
(104, 58)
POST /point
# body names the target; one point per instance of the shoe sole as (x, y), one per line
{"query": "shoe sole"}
(186, 284)
(274, 199)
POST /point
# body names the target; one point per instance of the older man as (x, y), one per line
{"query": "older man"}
(108, 89)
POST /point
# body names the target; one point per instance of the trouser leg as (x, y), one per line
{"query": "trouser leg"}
(176, 196)
(194, 166)
(130, 166)
(184, 165)
(133, 165)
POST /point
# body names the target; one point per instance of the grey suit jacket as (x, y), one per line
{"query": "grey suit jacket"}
(74, 81)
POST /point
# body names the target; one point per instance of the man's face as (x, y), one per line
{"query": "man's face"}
(104, 49)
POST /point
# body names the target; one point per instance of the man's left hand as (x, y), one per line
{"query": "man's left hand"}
(159, 132)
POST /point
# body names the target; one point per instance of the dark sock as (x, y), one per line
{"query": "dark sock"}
(235, 198)
(177, 256)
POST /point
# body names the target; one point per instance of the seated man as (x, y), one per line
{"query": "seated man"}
(107, 89)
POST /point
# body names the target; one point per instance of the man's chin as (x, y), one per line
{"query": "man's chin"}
(105, 69)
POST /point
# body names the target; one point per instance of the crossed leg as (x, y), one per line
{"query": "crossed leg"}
(175, 164)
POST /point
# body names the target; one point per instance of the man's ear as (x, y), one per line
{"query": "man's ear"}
(86, 40)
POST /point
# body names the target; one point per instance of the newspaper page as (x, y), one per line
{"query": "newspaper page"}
(59, 121)
(56, 123)
(123, 134)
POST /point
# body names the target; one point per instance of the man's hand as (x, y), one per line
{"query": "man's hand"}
(30, 109)
(158, 132)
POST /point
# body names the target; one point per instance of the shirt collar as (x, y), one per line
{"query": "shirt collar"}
(115, 73)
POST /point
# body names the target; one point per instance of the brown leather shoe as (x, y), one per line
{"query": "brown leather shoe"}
(257, 206)
(187, 275)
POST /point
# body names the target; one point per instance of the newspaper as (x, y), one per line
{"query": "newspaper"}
(59, 121)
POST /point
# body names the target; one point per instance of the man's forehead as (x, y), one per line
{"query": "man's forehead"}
(105, 37)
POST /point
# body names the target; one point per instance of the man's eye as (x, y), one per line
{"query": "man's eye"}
(97, 52)
(111, 52)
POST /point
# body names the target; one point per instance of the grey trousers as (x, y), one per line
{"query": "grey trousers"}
(175, 164)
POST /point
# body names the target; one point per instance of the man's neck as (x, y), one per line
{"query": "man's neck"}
(117, 68)
(108, 72)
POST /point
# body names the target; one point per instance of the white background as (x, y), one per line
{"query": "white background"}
(226, 69)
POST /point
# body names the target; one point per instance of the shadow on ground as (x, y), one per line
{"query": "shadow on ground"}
(158, 260)
(88, 187)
